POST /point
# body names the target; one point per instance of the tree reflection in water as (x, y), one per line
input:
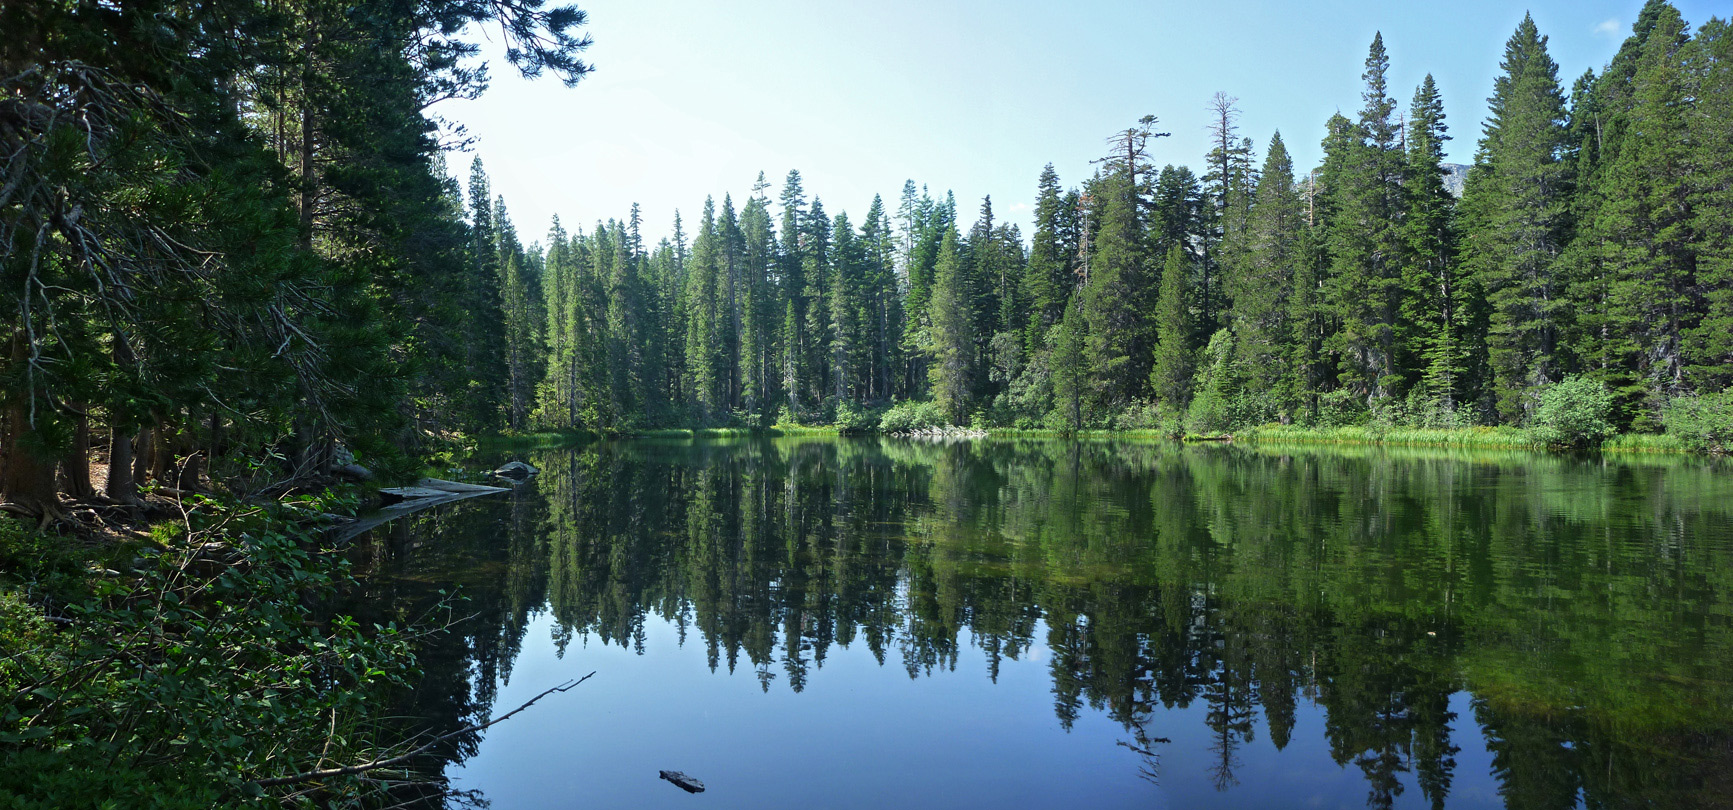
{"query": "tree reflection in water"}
(1584, 603)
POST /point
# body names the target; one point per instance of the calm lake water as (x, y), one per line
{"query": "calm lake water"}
(880, 623)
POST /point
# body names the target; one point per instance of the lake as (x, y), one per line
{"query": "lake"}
(868, 623)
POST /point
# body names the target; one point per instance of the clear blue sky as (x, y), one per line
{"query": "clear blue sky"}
(696, 98)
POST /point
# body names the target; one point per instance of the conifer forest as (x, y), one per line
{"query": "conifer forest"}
(1128, 439)
(1587, 242)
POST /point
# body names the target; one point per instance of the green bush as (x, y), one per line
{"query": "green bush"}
(1340, 408)
(904, 417)
(1702, 423)
(1574, 413)
(244, 680)
(851, 418)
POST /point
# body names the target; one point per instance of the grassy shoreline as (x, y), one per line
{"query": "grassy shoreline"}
(1501, 438)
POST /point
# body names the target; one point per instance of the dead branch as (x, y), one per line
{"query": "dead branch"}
(351, 770)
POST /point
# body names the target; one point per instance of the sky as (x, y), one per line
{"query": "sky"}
(694, 99)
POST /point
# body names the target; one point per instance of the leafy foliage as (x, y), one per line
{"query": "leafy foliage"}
(1702, 423)
(1575, 412)
(180, 660)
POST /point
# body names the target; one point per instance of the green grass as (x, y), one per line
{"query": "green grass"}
(537, 439)
(1496, 437)
(1506, 438)
(732, 433)
(1644, 443)
(1043, 433)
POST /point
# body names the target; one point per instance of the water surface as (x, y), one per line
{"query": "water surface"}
(885, 623)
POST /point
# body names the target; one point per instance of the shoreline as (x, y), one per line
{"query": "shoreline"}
(1491, 438)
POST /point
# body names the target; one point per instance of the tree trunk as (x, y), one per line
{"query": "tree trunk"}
(187, 476)
(188, 469)
(141, 461)
(162, 453)
(122, 486)
(27, 478)
(75, 465)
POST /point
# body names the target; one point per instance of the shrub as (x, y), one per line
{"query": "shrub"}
(1140, 414)
(1702, 423)
(1340, 408)
(904, 417)
(1574, 413)
(201, 665)
(852, 418)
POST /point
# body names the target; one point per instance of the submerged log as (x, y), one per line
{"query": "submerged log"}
(428, 492)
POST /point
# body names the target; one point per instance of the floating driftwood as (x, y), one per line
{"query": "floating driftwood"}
(427, 492)
(683, 782)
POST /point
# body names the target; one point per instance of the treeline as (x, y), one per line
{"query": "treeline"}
(1592, 240)
(228, 247)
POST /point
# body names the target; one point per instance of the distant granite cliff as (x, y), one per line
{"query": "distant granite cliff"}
(1455, 174)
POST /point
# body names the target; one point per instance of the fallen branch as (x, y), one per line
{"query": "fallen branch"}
(352, 770)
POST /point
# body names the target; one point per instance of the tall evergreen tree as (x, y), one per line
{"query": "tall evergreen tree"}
(1365, 290)
(1070, 378)
(1516, 220)
(791, 270)
(1171, 375)
(1431, 322)
(1709, 344)
(758, 327)
(706, 323)
(1262, 288)
(951, 341)
(1641, 225)
(1115, 298)
(1049, 276)
(484, 333)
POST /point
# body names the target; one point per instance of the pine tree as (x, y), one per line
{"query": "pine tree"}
(951, 341)
(1048, 278)
(1115, 298)
(759, 310)
(1262, 288)
(1070, 378)
(883, 301)
(525, 316)
(815, 271)
(1228, 187)
(1516, 219)
(1431, 323)
(1170, 378)
(484, 334)
(627, 338)
(791, 268)
(1643, 223)
(1709, 345)
(846, 309)
(734, 295)
(706, 323)
(1365, 291)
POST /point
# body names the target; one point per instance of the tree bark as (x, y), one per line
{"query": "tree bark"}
(188, 469)
(162, 453)
(141, 464)
(121, 486)
(27, 478)
(75, 465)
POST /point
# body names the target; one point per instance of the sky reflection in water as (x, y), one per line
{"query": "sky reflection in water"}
(868, 623)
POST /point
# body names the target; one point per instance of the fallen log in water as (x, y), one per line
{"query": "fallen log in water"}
(683, 782)
(428, 492)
